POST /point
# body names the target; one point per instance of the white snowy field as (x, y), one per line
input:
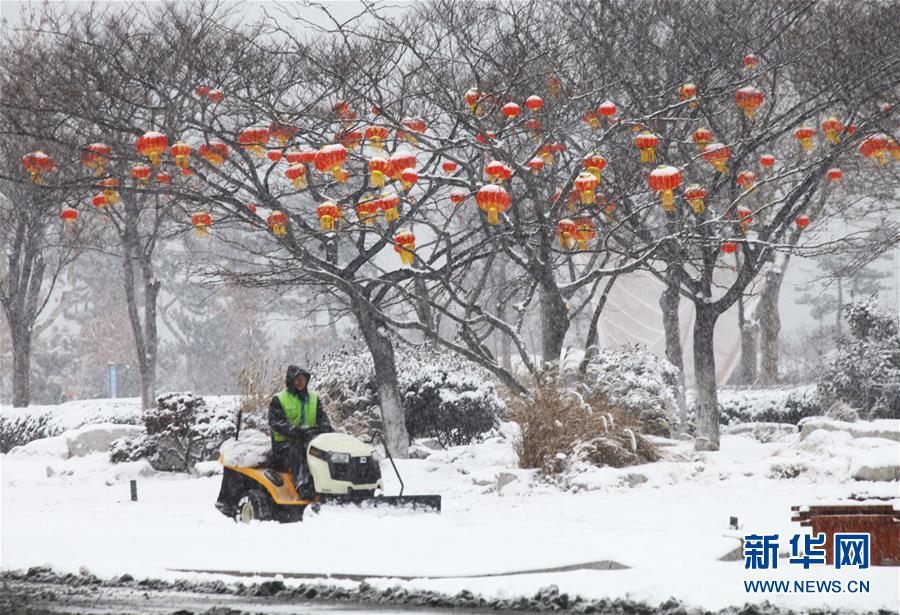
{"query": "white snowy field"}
(668, 521)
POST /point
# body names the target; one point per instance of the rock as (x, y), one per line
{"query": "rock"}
(503, 479)
(881, 428)
(877, 464)
(97, 438)
(207, 468)
(50, 472)
(419, 452)
(762, 432)
(57, 446)
(633, 479)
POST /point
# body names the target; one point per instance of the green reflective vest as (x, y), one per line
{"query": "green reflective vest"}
(297, 412)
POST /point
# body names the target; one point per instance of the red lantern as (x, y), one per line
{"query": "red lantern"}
(805, 135)
(163, 178)
(586, 231)
(400, 160)
(251, 207)
(152, 145)
(493, 200)
(751, 61)
(390, 205)
(534, 126)
(497, 172)
(473, 100)
(376, 136)
(413, 127)
(702, 137)
(647, 142)
(746, 180)
(607, 109)
(110, 193)
(378, 167)
(449, 167)
(68, 215)
(215, 96)
(95, 156)
(802, 221)
(688, 91)
(457, 196)
(367, 210)
(182, 153)
(283, 133)
(534, 103)
(328, 213)
(254, 140)
(330, 159)
(349, 138)
(665, 179)
(695, 193)
(99, 200)
(37, 163)
(566, 230)
(717, 155)
(832, 127)
(201, 91)
(141, 173)
(275, 155)
(297, 174)
(585, 184)
(214, 152)
(767, 161)
(595, 163)
(729, 247)
(536, 164)
(511, 110)
(876, 146)
(546, 153)
(744, 216)
(749, 98)
(406, 244)
(834, 174)
(293, 157)
(408, 178)
(201, 221)
(277, 222)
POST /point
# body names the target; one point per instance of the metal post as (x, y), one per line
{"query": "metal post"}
(134, 491)
(111, 389)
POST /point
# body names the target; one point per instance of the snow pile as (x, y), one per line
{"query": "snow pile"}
(863, 451)
(251, 450)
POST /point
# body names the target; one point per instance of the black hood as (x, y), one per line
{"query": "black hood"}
(292, 372)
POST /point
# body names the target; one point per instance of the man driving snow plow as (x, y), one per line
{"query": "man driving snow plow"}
(305, 462)
(295, 416)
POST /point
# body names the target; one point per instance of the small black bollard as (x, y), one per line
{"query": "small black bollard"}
(732, 521)
(134, 491)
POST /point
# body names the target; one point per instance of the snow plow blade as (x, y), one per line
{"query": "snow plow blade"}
(416, 502)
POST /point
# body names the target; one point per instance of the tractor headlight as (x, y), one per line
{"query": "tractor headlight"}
(340, 457)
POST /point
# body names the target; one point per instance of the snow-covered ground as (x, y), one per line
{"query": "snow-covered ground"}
(668, 521)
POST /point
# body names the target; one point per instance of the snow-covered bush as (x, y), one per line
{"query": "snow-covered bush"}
(637, 383)
(788, 405)
(560, 429)
(445, 396)
(864, 371)
(20, 426)
(180, 431)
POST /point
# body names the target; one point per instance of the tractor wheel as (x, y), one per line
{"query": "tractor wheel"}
(255, 506)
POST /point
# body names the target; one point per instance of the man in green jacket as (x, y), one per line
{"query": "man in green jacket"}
(295, 417)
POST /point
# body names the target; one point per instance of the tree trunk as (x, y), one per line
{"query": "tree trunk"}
(707, 403)
(379, 344)
(668, 303)
(554, 324)
(21, 347)
(749, 356)
(144, 333)
(769, 329)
